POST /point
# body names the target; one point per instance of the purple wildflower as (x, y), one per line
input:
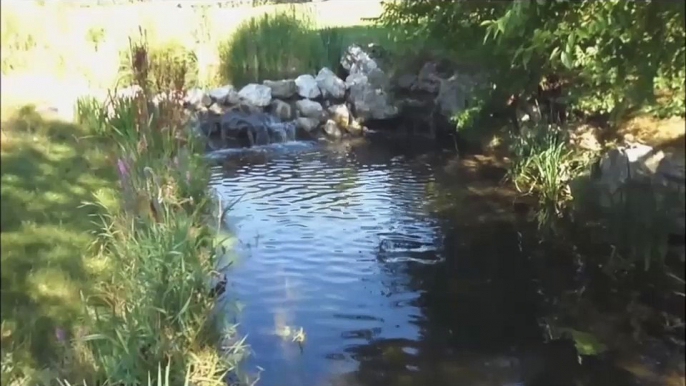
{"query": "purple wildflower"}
(123, 170)
(60, 334)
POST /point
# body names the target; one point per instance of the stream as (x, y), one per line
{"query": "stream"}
(350, 272)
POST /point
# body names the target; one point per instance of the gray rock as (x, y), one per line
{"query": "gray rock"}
(406, 81)
(358, 61)
(378, 79)
(453, 94)
(224, 95)
(256, 94)
(308, 125)
(341, 115)
(309, 109)
(356, 79)
(196, 98)
(330, 85)
(636, 162)
(281, 110)
(428, 79)
(369, 102)
(282, 88)
(673, 169)
(307, 87)
(215, 108)
(332, 130)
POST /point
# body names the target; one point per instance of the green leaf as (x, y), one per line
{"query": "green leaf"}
(585, 343)
(570, 42)
(556, 50)
(566, 60)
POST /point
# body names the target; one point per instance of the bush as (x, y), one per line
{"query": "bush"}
(597, 50)
(278, 45)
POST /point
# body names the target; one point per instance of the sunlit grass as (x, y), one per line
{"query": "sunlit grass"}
(83, 45)
(48, 169)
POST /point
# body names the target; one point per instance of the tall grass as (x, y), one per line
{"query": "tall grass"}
(543, 164)
(158, 304)
(278, 45)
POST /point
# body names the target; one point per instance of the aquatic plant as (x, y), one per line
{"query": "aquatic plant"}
(158, 305)
(543, 163)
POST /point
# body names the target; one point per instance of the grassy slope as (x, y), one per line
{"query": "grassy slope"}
(48, 171)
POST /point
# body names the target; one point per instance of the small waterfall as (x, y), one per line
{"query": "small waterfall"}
(243, 129)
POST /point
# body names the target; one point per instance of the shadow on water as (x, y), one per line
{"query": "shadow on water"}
(403, 266)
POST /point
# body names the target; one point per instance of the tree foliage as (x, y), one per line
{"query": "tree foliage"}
(609, 55)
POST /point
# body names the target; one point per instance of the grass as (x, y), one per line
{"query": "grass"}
(278, 45)
(49, 168)
(83, 45)
(543, 164)
(109, 299)
(286, 43)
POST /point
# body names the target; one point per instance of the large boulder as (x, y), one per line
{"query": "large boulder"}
(368, 84)
(635, 162)
(309, 109)
(282, 88)
(368, 101)
(256, 94)
(307, 87)
(330, 85)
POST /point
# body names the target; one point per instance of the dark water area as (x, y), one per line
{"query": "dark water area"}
(401, 265)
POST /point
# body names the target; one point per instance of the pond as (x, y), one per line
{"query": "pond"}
(385, 262)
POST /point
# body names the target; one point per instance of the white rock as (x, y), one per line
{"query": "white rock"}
(307, 87)
(330, 85)
(197, 98)
(256, 94)
(309, 109)
(282, 88)
(225, 94)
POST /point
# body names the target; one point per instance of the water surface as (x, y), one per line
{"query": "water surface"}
(349, 244)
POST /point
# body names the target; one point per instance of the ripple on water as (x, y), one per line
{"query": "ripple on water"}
(313, 223)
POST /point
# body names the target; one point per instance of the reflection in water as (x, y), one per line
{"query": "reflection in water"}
(347, 244)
